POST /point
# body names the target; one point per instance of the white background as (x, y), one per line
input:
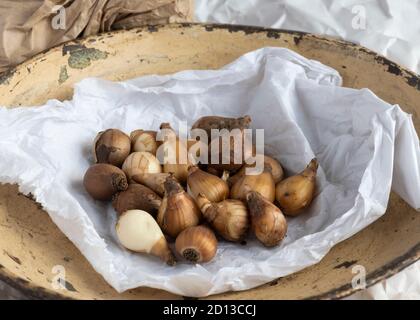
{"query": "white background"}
(389, 27)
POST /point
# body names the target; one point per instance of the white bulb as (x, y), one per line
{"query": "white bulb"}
(138, 231)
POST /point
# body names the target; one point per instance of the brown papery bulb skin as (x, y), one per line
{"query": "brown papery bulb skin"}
(178, 169)
(208, 123)
(112, 146)
(262, 183)
(144, 140)
(275, 168)
(296, 192)
(141, 162)
(196, 244)
(178, 210)
(268, 222)
(154, 181)
(226, 161)
(161, 250)
(137, 197)
(269, 162)
(215, 171)
(228, 218)
(214, 188)
(103, 180)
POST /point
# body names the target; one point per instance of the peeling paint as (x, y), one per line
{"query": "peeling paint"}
(69, 48)
(68, 285)
(392, 66)
(63, 76)
(81, 56)
(273, 34)
(297, 39)
(412, 81)
(6, 76)
(152, 28)
(15, 259)
(81, 59)
(346, 264)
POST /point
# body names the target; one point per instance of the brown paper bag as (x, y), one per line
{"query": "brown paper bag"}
(28, 27)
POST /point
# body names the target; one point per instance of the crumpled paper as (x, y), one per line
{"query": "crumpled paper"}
(364, 145)
(385, 26)
(30, 27)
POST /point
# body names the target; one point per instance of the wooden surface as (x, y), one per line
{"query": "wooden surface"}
(31, 245)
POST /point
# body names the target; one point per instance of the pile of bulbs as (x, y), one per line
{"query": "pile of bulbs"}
(188, 202)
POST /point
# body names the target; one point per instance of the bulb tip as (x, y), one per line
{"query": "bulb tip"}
(165, 125)
(225, 175)
(313, 165)
(171, 185)
(192, 168)
(246, 120)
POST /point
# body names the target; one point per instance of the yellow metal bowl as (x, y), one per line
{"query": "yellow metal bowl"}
(31, 245)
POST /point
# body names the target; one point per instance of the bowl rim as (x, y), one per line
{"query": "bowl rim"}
(398, 264)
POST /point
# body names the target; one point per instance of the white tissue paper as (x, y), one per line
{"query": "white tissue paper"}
(364, 146)
(385, 26)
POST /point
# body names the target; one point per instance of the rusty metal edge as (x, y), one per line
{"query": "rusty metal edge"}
(386, 271)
